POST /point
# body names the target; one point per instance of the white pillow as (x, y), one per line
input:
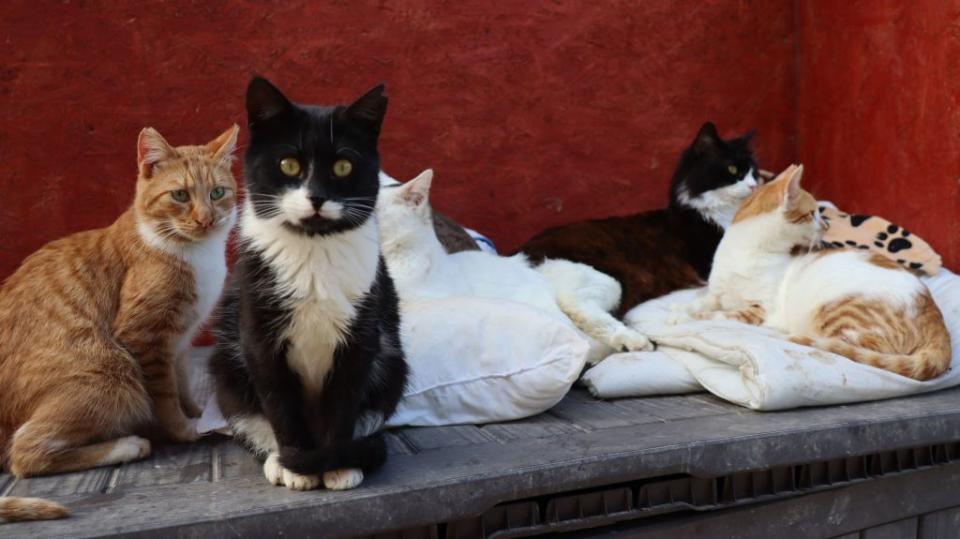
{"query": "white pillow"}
(476, 360)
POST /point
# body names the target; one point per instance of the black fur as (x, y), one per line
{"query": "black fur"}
(656, 252)
(315, 431)
(703, 167)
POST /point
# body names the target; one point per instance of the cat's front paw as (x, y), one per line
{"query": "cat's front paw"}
(272, 469)
(295, 481)
(129, 449)
(277, 475)
(344, 479)
(634, 341)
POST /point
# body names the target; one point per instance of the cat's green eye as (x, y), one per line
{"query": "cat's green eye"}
(342, 168)
(217, 193)
(290, 166)
(732, 169)
(180, 195)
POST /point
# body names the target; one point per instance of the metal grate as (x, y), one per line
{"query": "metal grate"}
(608, 505)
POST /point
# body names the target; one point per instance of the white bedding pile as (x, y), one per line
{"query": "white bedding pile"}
(755, 367)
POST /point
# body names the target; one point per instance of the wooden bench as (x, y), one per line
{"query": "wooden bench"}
(667, 466)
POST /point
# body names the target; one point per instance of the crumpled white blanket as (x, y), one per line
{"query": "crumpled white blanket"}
(753, 366)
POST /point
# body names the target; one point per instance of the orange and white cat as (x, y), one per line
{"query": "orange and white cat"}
(850, 302)
(93, 324)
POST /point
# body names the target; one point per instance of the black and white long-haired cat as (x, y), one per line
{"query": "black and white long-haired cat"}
(309, 362)
(656, 252)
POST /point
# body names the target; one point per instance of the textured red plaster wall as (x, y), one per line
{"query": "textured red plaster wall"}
(879, 128)
(531, 113)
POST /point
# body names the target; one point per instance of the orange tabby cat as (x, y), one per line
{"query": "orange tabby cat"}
(92, 324)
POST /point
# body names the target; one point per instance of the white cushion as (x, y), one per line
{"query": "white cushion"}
(754, 366)
(476, 360)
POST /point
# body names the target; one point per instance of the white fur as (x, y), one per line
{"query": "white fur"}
(321, 277)
(720, 205)
(256, 432)
(208, 260)
(295, 206)
(422, 270)
(588, 297)
(753, 265)
(278, 475)
(343, 479)
(126, 450)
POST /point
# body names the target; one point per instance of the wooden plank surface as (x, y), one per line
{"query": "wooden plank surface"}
(435, 474)
(942, 524)
(901, 529)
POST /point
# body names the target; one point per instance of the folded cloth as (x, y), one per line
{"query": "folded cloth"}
(755, 366)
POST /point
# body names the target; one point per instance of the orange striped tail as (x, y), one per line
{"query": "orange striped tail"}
(14, 509)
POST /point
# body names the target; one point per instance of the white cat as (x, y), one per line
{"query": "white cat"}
(851, 302)
(422, 270)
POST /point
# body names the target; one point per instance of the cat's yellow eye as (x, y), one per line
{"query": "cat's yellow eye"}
(290, 166)
(180, 195)
(342, 168)
(732, 169)
(217, 193)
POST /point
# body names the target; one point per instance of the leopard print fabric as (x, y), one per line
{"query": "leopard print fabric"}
(880, 236)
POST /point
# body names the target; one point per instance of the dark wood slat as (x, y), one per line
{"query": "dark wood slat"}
(235, 461)
(540, 426)
(88, 481)
(396, 445)
(823, 514)
(940, 525)
(182, 463)
(6, 483)
(447, 482)
(424, 438)
(901, 529)
(587, 414)
(670, 408)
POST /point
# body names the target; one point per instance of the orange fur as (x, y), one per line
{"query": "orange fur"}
(15, 509)
(89, 321)
(912, 341)
(784, 191)
(914, 344)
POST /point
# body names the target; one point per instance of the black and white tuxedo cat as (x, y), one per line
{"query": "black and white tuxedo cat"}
(309, 362)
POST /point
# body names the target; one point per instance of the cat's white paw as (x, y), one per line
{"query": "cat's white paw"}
(344, 479)
(272, 469)
(295, 481)
(277, 475)
(678, 318)
(634, 341)
(128, 449)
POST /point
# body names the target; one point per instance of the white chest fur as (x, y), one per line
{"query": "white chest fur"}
(322, 279)
(208, 262)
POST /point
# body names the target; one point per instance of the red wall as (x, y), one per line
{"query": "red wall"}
(879, 122)
(531, 114)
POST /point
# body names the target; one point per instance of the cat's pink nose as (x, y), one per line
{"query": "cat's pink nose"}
(205, 221)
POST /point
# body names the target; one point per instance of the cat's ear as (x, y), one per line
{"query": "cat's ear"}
(221, 148)
(264, 101)
(416, 192)
(707, 138)
(152, 149)
(793, 184)
(787, 184)
(369, 109)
